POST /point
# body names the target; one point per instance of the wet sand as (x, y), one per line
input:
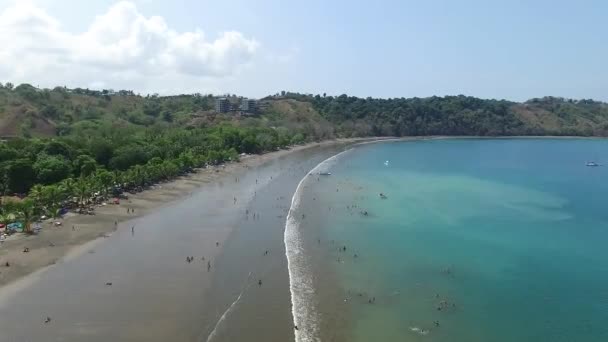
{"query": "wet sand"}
(256, 251)
(136, 285)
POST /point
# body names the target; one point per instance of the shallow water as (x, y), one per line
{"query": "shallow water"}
(496, 240)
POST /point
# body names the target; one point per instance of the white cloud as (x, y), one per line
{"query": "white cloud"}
(121, 47)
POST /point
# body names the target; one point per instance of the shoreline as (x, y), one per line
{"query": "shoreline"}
(78, 233)
(53, 244)
(256, 251)
(301, 285)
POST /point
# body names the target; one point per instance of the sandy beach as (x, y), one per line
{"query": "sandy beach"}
(131, 282)
(55, 242)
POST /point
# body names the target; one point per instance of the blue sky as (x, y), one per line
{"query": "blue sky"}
(491, 49)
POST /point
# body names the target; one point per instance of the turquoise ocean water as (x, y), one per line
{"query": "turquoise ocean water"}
(494, 240)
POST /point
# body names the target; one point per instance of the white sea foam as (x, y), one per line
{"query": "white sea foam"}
(219, 322)
(305, 316)
(420, 331)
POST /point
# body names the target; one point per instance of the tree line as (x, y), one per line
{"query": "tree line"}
(71, 171)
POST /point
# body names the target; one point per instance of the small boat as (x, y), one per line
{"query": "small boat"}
(325, 173)
(592, 164)
(386, 163)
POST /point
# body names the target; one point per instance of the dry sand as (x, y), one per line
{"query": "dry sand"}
(54, 243)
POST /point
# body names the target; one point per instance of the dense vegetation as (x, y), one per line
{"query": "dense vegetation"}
(65, 147)
(459, 115)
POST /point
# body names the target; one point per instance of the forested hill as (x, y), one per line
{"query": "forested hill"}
(26, 111)
(459, 115)
(56, 138)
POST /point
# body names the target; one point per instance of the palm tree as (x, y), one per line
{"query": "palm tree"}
(139, 175)
(94, 184)
(119, 178)
(37, 194)
(106, 179)
(70, 187)
(55, 212)
(27, 213)
(83, 190)
(53, 194)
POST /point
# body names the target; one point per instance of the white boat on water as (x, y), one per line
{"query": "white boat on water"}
(592, 164)
(325, 173)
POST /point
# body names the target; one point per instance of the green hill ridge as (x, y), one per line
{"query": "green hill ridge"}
(67, 139)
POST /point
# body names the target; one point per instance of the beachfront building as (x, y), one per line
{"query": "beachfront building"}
(222, 105)
(249, 105)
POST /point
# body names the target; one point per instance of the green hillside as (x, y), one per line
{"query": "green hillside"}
(66, 143)
(26, 111)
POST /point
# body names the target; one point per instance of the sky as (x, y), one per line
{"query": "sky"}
(513, 50)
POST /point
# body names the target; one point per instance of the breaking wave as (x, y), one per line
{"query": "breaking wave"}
(305, 316)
